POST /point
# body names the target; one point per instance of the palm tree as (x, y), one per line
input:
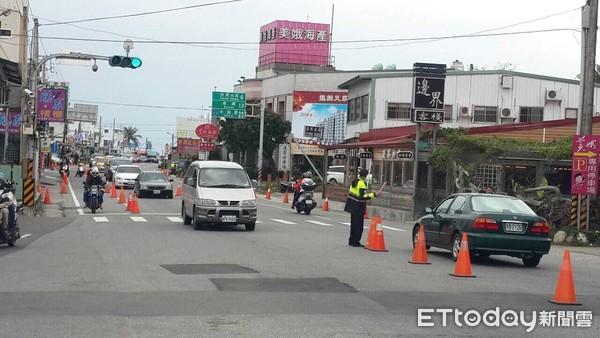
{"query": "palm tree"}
(130, 135)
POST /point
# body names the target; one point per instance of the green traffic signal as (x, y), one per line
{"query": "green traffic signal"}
(124, 61)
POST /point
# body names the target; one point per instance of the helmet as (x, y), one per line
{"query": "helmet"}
(363, 173)
(95, 171)
(307, 174)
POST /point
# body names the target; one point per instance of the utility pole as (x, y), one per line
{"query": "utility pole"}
(260, 145)
(589, 27)
(100, 133)
(112, 143)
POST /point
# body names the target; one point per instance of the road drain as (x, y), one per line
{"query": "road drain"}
(206, 269)
(330, 285)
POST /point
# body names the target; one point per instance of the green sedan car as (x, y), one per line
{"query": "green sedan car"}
(495, 225)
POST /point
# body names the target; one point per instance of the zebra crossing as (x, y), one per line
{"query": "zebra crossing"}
(177, 219)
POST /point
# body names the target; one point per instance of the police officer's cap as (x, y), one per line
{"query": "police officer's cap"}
(363, 173)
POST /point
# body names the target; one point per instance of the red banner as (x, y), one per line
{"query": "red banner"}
(192, 146)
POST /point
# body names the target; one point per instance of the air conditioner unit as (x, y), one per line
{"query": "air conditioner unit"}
(553, 95)
(464, 111)
(507, 113)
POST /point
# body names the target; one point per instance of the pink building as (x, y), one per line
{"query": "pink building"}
(294, 42)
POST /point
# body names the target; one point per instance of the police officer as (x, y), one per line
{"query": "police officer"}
(356, 205)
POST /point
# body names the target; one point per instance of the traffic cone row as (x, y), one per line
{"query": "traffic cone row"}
(463, 263)
(129, 203)
(326, 203)
(135, 208)
(420, 253)
(47, 199)
(286, 197)
(121, 197)
(565, 288)
(375, 241)
(113, 191)
(268, 194)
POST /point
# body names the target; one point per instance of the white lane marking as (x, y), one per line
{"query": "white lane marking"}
(390, 228)
(345, 223)
(74, 196)
(175, 219)
(138, 219)
(100, 219)
(80, 211)
(322, 217)
(25, 236)
(146, 214)
(320, 223)
(282, 221)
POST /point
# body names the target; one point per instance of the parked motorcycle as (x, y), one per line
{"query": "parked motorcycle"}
(80, 170)
(306, 202)
(7, 199)
(94, 192)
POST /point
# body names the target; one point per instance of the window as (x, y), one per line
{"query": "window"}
(397, 176)
(365, 108)
(448, 108)
(398, 110)
(485, 114)
(281, 108)
(358, 109)
(459, 203)
(531, 114)
(443, 207)
(571, 113)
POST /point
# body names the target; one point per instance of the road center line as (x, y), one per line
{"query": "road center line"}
(282, 221)
(74, 196)
(390, 228)
(25, 236)
(320, 223)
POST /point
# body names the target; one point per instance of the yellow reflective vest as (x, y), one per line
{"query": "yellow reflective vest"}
(357, 198)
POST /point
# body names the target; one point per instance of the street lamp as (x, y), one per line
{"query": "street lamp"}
(172, 138)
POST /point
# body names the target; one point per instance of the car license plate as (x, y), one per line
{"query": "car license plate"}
(156, 192)
(228, 218)
(513, 227)
(309, 202)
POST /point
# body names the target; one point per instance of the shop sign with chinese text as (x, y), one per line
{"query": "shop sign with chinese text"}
(584, 173)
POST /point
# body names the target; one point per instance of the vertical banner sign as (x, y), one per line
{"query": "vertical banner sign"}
(51, 104)
(284, 157)
(584, 179)
(428, 92)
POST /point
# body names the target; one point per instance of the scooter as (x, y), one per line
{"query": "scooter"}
(306, 202)
(94, 196)
(80, 170)
(7, 200)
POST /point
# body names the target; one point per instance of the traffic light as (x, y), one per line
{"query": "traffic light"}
(125, 61)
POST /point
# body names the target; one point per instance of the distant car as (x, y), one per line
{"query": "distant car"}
(113, 164)
(100, 162)
(336, 174)
(494, 224)
(125, 175)
(153, 183)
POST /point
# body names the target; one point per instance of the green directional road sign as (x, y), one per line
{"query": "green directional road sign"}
(229, 105)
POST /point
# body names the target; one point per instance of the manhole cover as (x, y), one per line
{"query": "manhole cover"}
(331, 285)
(206, 269)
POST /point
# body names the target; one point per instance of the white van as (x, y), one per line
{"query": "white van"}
(217, 192)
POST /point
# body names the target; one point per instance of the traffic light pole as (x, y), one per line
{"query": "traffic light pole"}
(33, 148)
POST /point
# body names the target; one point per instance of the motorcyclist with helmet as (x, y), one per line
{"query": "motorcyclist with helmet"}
(94, 178)
(298, 187)
(8, 209)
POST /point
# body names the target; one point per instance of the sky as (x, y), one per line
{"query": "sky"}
(176, 79)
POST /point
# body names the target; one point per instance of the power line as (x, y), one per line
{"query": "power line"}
(142, 14)
(139, 105)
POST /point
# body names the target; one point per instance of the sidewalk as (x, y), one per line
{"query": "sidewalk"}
(51, 180)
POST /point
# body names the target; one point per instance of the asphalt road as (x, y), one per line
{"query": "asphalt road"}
(114, 274)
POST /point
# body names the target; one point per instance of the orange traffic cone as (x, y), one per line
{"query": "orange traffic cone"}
(47, 199)
(326, 203)
(376, 242)
(113, 191)
(135, 208)
(420, 253)
(178, 193)
(463, 263)
(286, 198)
(129, 202)
(106, 187)
(268, 194)
(565, 288)
(366, 212)
(63, 188)
(39, 189)
(121, 197)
